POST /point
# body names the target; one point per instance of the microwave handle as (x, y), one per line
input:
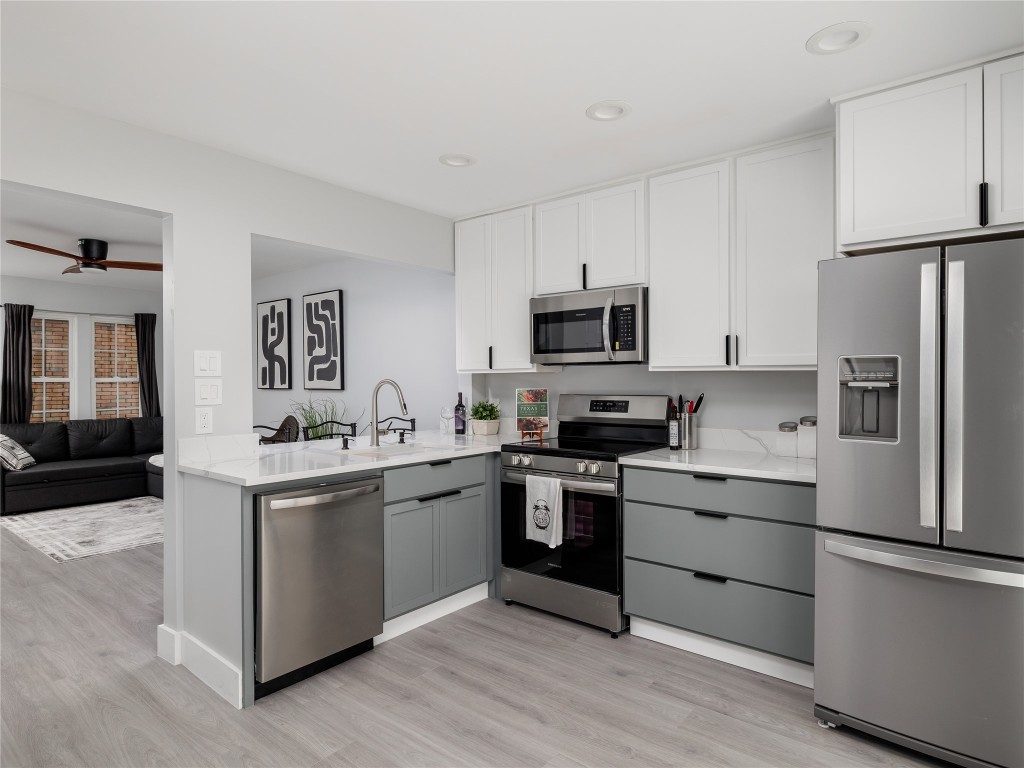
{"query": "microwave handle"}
(607, 328)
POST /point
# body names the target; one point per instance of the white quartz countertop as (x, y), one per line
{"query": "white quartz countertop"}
(759, 465)
(242, 462)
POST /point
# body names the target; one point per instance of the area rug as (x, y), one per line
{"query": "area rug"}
(93, 529)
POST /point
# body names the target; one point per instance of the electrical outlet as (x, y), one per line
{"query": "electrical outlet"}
(204, 420)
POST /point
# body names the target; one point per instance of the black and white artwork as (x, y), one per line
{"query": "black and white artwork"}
(274, 344)
(322, 350)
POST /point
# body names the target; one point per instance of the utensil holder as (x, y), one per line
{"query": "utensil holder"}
(687, 431)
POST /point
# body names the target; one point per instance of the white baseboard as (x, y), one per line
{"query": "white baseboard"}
(212, 668)
(168, 644)
(428, 613)
(721, 650)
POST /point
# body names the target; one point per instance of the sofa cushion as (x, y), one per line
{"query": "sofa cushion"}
(44, 442)
(75, 469)
(147, 434)
(99, 438)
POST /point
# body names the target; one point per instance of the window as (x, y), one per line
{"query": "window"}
(52, 344)
(115, 369)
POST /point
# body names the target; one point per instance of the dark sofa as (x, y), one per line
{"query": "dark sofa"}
(84, 461)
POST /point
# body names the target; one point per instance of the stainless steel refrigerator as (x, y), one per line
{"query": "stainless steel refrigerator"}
(919, 566)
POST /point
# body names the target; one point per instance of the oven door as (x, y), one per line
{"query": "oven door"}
(591, 551)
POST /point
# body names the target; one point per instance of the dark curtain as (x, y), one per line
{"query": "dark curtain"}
(16, 405)
(145, 339)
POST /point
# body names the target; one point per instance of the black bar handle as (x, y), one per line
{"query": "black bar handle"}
(439, 463)
(584, 277)
(490, 358)
(727, 361)
(719, 478)
(435, 496)
(709, 577)
(737, 349)
(702, 513)
(983, 204)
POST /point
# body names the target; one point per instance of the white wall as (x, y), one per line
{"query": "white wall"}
(214, 202)
(92, 300)
(399, 323)
(732, 399)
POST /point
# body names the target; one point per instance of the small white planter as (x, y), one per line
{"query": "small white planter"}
(485, 427)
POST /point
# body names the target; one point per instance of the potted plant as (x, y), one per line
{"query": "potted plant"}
(485, 418)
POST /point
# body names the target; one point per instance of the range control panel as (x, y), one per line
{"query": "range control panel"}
(609, 406)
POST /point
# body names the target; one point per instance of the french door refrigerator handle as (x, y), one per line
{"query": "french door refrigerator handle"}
(928, 414)
(954, 465)
(606, 328)
(934, 567)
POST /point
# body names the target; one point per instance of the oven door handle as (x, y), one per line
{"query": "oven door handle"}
(601, 489)
(606, 329)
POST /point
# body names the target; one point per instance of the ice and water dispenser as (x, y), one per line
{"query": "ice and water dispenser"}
(869, 398)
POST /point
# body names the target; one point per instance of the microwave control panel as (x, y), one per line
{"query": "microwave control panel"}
(625, 326)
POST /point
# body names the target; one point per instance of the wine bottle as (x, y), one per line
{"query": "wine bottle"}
(460, 417)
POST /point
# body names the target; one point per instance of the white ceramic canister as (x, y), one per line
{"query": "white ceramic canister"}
(807, 437)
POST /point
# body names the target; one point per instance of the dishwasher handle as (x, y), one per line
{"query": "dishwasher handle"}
(324, 498)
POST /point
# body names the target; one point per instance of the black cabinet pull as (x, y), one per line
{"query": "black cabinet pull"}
(709, 577)
(584, 277)
(439, 463)
(435, 496)
(983, 203)
(702, 513)
(719, 478)
(737, 350)
(727, 361)
(490, 358)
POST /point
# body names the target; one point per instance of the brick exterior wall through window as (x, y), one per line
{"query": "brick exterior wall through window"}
(115, 370)
(51, 369)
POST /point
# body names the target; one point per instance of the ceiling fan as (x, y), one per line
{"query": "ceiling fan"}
(93, 257)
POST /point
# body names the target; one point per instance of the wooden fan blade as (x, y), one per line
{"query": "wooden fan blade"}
(148, 266)
(44, 249)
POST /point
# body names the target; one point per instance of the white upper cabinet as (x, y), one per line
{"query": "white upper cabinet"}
(1004, 140)
(493, 285)
(615, 236)
(784, 227)
(910, 159)
(944, 155)
(594, 240)
(688, 301)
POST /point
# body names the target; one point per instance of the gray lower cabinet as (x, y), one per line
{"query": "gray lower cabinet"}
(434, 545)
(725, 557)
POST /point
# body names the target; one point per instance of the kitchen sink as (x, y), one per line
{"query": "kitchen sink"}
(390, 451)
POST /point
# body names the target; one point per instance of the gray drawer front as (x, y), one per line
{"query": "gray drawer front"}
(752, 550)
(753, 498)
(759, 617)
(424, 479)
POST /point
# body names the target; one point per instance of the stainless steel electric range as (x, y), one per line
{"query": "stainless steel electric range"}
(582, 577)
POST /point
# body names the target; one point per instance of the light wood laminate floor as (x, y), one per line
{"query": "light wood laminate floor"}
(490, 685)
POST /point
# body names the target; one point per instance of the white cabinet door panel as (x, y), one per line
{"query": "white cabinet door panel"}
(784, 218)
(689, 267)
(512, 277)
(472, 293)
(1004, 140)
(615, 236)
(910, 159)
(561, 240)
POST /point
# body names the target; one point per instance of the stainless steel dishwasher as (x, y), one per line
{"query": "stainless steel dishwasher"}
(319, 578)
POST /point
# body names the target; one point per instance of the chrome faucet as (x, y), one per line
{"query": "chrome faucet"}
(374, 436)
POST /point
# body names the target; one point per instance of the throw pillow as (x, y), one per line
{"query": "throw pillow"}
(13, 456)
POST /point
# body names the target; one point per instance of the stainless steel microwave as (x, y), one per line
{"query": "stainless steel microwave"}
(608, 326)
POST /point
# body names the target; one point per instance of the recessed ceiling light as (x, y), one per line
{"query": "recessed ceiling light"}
(838, 38)
(456, 161)
(609, 110)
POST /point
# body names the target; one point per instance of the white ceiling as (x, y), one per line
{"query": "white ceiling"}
(57, 221)
(367, 95)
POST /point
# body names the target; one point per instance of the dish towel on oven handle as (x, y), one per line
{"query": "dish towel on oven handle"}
(544, 510)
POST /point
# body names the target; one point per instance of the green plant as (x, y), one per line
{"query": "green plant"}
(484, 411)
(314, 412)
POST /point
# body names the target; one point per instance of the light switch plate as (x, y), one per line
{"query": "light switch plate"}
(209, 391)
(204, 421)
(206, 362)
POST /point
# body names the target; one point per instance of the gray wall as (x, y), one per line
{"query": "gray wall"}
(69, 296)
(399, 323)
(732, 399)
